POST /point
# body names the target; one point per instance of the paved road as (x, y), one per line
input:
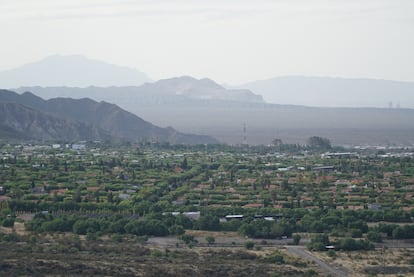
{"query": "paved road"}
(395, 244)
(300, 251)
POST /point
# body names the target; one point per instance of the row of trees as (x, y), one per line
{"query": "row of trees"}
(154, 225)
(147, 226)
(322, 243)
(296, 220)
(396, 231)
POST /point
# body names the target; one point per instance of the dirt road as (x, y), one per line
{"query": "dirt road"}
(300, 251)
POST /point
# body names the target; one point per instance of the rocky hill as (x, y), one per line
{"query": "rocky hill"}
(20, 122)
(89, 115)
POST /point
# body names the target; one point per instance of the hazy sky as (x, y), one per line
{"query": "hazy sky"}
(231, 41)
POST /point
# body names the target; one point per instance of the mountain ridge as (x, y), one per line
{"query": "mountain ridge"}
(19, 121)
(334, 91)
(184, 87)
(72, 70)
(108, 117)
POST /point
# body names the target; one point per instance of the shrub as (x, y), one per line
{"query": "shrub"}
(176, 230)
(331, 253)
(275, 258)
(116, 238)
(91, 236)
(210, 240)
(156, 253)
(296, 239)
(249, 244)
(187, 239)
(318, 243)
(8, 222)
(11, 237)
(356, 233)
(374, 236)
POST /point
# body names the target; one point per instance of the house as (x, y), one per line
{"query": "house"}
(356, 208)
(234, 216)
(38, 190)
(374, 206)
(171, 213)
(323, 168)
(4, 198)
(253, 205)
(58, 191)
(343, 182)
(178, 202)
(124, 196)
(178, 169)
(78, 147)
(192, 215)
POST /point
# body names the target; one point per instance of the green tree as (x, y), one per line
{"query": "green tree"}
(296, 239)
(374, 236)
(319, 143)
(184, 164)
(209, 223)
(210, 240)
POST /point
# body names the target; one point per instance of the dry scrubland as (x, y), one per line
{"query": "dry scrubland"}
(69, 255)
(66, 254)
(380, 262)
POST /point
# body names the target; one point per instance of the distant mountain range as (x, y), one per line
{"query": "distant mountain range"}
(179, 90)
(27, 116)
(334, 92)
(79, 71)
(75, 71)
(224, 119)
(343, 109)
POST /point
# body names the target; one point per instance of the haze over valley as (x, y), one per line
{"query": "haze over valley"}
(283, 69)
(347, 111)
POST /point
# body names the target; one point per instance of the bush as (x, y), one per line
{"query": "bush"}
(116, 238)
(91, 236)
(249, 244)
(331, 253)
(310, 272)
(296, 239)
(275, 258)
(210, 240)
(374, 236)
(156, 253)
(8, 222)
(33, 239)
(176, 230)
(318, 243)
(142, 239)
(356, 233)
(11, 237)
(187, 239)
